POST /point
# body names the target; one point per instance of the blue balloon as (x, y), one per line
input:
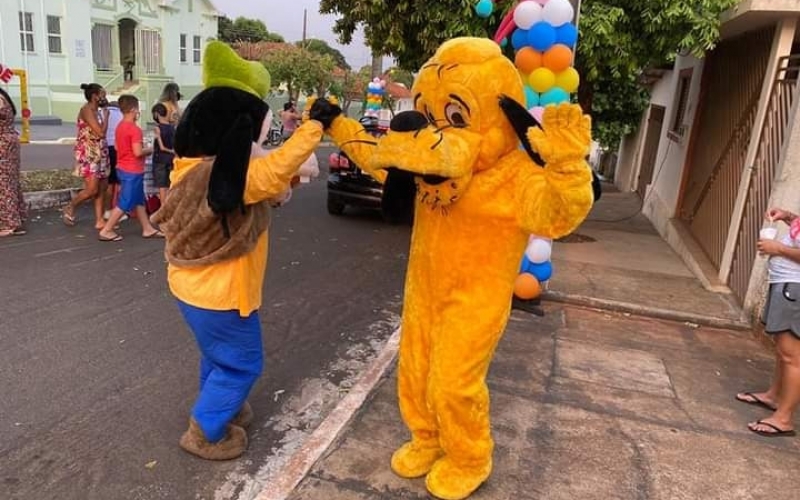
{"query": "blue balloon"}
(543, 271)
(484, 8)
(519, 39)
(541, 36)
(567, 34)
(531, 97)
(556, 95)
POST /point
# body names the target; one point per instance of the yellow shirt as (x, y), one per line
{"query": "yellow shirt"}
(236, 284)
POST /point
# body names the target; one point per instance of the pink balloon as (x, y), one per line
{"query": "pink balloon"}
(537, 112)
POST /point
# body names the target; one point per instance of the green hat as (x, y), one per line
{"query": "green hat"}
(222, 67)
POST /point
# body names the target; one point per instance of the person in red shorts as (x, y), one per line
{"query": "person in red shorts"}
(130, 171)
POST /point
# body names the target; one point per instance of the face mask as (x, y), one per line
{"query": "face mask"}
(103, 102)
(180, 96)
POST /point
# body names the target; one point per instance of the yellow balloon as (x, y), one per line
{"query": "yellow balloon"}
(569, 80)
(542, 80)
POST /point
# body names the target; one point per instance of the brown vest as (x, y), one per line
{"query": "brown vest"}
(194, 233)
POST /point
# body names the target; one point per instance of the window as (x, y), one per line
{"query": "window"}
(26, 31)
(196, 49)
(54, 34)
(677, 127)
(102, 46)
(183, 47)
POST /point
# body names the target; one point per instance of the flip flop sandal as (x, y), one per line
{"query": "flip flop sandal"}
(112, 239)
(69, 220)
(157, 234)
(777, 432)
(755, 401)
(19, 232)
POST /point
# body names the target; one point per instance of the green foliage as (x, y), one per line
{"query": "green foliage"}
(243, 29)
(619, 40)
(321, 47)
(300, 70)
(400, 75)
(350, 86)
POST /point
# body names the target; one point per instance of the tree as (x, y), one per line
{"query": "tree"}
(350, 86)
(619, 40)
(243, 29)
(400, 75)
(321, 47)
(299, 70)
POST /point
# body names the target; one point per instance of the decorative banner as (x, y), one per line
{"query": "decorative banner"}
(6, 74)
(375, 91)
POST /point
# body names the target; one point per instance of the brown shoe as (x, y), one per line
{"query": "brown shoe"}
(244, 418)
(231, 446)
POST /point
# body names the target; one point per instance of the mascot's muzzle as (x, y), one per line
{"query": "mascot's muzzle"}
(413, 121)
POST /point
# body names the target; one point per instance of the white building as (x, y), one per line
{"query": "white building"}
(63, 43)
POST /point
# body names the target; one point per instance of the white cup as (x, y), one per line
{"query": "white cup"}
(768, 233)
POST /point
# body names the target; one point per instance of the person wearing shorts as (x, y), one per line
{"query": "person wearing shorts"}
(130, 170)
(781, 319)
(163, 154)
(114, 117)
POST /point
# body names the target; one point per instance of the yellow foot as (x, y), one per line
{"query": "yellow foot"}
(231, 446)
(414, 460)
(450, 482)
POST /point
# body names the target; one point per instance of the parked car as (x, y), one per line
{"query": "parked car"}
(348, 185)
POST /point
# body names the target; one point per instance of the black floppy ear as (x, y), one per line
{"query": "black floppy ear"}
(399, 195)
(521, 121)
(229, 172)
(597, 187)
(183, 133)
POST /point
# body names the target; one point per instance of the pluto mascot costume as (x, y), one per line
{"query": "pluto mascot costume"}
(478, 196)
(216, 219)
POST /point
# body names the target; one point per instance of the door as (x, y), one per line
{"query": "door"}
(651, 142)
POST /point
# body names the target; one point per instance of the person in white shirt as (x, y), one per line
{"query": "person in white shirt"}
(114, 117)
(781, 318)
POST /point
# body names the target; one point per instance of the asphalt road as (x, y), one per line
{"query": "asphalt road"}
(46, 156)
(98, 372)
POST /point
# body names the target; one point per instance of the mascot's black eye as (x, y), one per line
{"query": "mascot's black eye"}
(455, 115)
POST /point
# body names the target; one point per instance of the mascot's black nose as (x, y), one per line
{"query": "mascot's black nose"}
(408, 121)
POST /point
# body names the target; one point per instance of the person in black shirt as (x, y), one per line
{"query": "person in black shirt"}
(163, 153)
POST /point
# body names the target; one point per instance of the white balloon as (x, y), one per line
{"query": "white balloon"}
(527, 14)
(539, 250)
(558, 12)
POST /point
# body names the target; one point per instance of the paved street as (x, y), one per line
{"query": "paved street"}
(46, 156)
(99, 371)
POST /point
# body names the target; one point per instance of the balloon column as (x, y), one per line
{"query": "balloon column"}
(375, 91)
(543, 36)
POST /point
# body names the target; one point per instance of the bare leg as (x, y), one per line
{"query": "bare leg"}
(99, 204)
(89, 192)
(107, 232)
(162, 194)
(789, 351)
(148, 231)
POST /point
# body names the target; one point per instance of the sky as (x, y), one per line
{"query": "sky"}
(285, 17)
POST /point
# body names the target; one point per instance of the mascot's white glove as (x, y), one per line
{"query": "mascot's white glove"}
(309, 169)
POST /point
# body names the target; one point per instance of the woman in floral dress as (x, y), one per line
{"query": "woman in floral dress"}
(12, 205)
(91, 153)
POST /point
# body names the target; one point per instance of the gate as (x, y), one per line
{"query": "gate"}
(148, 52)
(770, 145)
(729, 101)
(654, 124)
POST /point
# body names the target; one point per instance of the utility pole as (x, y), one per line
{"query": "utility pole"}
(377, 65)
(305, 24)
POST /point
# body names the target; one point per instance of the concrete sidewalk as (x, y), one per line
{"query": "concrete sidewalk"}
(594, 405)
(616, 260)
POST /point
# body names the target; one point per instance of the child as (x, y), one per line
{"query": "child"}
(163, 154)
(130, 170)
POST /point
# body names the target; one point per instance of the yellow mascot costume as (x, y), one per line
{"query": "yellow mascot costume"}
(478, 196)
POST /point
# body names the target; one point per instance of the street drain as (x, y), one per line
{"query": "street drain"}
(576, 238)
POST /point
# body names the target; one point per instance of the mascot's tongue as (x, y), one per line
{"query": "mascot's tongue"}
(399, 194)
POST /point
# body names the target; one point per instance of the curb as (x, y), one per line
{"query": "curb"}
(64, 141)
(40, 200)
(647, 311)
(283, 482)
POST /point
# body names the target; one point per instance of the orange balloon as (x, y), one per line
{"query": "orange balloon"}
(528, 59)
(527, 287)
(557, 58)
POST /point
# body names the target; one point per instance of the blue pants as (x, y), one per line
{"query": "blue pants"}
(231, 360)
